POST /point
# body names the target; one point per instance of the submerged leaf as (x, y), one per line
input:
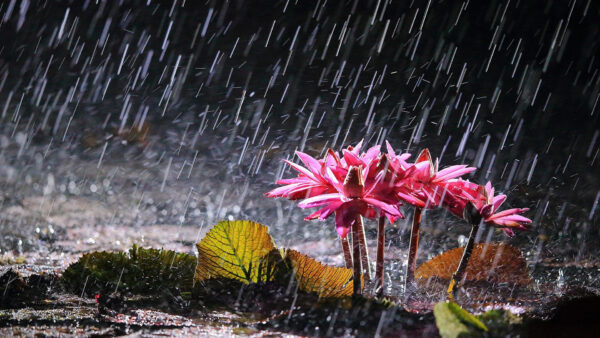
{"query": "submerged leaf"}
(312, 276)
(454, 321)
(491, 262)
(140, 271)
(240, 250)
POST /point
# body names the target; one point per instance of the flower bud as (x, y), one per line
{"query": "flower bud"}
(353, 183)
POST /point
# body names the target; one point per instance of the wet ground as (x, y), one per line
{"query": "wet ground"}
(144, 123)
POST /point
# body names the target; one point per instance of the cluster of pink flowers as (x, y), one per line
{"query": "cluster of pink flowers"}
(374, 183)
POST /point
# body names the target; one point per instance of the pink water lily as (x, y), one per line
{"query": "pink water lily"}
(509, 220)
(483, 208)
(351, 186)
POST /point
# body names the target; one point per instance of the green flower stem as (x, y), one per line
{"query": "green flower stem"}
(464, 260)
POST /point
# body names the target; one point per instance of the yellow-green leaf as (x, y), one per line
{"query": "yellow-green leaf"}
(240, 250)
(454, 321)
(312, 276)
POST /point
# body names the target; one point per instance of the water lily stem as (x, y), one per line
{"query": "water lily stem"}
(379, 270)
(364, 253)
(412, 249)
(347, 253)
(464, 260)
(356, 261)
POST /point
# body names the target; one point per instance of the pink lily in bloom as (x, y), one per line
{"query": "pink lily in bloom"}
(487, 205)
(457, 193)
(320, 181)
(352, 186)
(376, 174)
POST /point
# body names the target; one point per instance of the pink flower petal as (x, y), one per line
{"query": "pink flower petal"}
(295, 180)
(411, 199)
(333, 180)
(342, 229)
(325, 212)
(392, 218)
(281, 191)
(490, 191)
(305, 191)
(424, 156)
(345, 216)
(374, 184)
(390, 150)
(511, 218)
(356, 148)
(310, 162)
(453, 172)
(319, 200)
(333, 158)
(486, 211)
(371, 154)
(352, 159)
(498, 200)
(511, 212)
(301, 169)
(387, 208)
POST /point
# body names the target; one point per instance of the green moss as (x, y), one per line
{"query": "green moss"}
(141, 271)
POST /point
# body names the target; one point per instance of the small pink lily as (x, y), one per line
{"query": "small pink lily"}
(487, 205)
(482, 208)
